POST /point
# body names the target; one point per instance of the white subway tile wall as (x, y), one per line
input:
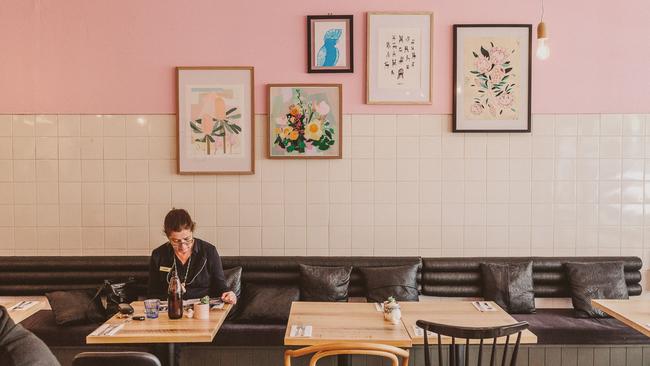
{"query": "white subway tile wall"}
(407, 185)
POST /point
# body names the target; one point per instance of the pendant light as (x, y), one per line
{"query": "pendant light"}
(543, 51)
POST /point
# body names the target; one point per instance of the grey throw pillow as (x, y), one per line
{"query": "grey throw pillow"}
(598, 280)
(233, 282)
(510, 285)
(324, 283)
(267, 304)
(399, 282)
(76, 307)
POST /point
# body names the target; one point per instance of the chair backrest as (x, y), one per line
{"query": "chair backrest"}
(349, 348)
(115, 359)
(466, 334)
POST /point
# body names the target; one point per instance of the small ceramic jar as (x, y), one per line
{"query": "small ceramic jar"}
(392, 312)
(202, 311)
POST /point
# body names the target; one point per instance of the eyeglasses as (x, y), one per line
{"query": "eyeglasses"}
(178, 242)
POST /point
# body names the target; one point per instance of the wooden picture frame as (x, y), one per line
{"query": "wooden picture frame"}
(305, 121)
(330, 43)
(492, 78)
(215, 119)
(399, 57)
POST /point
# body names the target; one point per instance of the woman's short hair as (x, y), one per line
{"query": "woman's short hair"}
(178, 220)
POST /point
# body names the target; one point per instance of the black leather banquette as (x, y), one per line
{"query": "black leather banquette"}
(440, 277)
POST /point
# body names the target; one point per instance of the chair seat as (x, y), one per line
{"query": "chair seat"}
(560, 326)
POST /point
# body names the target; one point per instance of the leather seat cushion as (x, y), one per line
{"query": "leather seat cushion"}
(237, 334)
(44, 326)
(560, 326)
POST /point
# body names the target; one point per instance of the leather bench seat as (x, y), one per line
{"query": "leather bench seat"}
(560, 326)
(439, 277)
(42, 324)
(250, 335)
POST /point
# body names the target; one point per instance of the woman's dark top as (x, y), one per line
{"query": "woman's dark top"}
(205, 275)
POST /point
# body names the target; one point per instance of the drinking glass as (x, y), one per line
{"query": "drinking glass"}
(151, 308)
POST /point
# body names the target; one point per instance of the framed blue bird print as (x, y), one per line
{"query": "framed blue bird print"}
(329, 43)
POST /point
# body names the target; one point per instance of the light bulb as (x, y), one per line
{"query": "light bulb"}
(543, 51)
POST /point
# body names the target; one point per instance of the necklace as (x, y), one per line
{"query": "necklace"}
(187, 271)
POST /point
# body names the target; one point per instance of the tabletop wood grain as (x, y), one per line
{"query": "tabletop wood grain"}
(163, 329)
(19, 315)
(634, 313)
(458, 313)
(348, 322)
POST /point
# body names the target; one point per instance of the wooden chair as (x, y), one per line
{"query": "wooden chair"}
(349, 348)
(471, 333)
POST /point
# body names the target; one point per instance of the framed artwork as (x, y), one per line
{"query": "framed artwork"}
(398, 61)
(492, 74)
(330, 43)
(215, 120)
(305, 121)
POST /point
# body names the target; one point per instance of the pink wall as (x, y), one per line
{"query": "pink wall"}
(97, 56)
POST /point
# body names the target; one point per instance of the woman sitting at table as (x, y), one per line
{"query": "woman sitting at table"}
(196, 263)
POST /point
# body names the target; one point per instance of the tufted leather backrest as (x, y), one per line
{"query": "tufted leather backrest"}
(38, 275)
(461, 277)
(449, 277)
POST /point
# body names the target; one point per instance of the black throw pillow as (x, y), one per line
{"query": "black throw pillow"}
(399, 282)
(233, 282)
(233, 279)
(598, 280)
(510, 285)
(324, 283)
(267, 304)
(76, 307)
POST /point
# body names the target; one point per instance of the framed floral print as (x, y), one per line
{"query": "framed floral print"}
(305, 121)
(492, 75)
(398, 61)
(215, 120)
(330, 43)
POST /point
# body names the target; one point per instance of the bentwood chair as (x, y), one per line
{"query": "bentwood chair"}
(349, 348)
(115, 359)
(458, 334)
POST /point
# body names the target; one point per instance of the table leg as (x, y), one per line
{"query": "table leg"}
(344, 360)
(172, 355)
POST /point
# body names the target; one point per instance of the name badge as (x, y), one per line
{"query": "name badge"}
(165, 269)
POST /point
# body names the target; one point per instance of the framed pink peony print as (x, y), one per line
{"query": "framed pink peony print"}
(305, 121)
(215, 120)
(492, 76)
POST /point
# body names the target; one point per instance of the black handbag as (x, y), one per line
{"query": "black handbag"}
(117, 292)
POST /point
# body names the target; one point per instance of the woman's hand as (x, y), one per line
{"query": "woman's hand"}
(229, 297)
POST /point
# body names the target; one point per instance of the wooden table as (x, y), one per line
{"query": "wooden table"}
(343, 322)
(458, 313)
(163, 329)
(634, 313)
(19, 315)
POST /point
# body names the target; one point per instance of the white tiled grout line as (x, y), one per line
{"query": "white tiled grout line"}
(65, 181)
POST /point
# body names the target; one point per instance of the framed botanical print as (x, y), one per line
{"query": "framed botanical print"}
(398, 61)
(330, 43)
(215, 120)
(492, 74)
(305, 121)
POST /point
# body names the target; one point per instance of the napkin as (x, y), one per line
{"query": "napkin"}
(107, 329)
(304, 331)
(419, 332)
(483, 306)
(23, 305)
